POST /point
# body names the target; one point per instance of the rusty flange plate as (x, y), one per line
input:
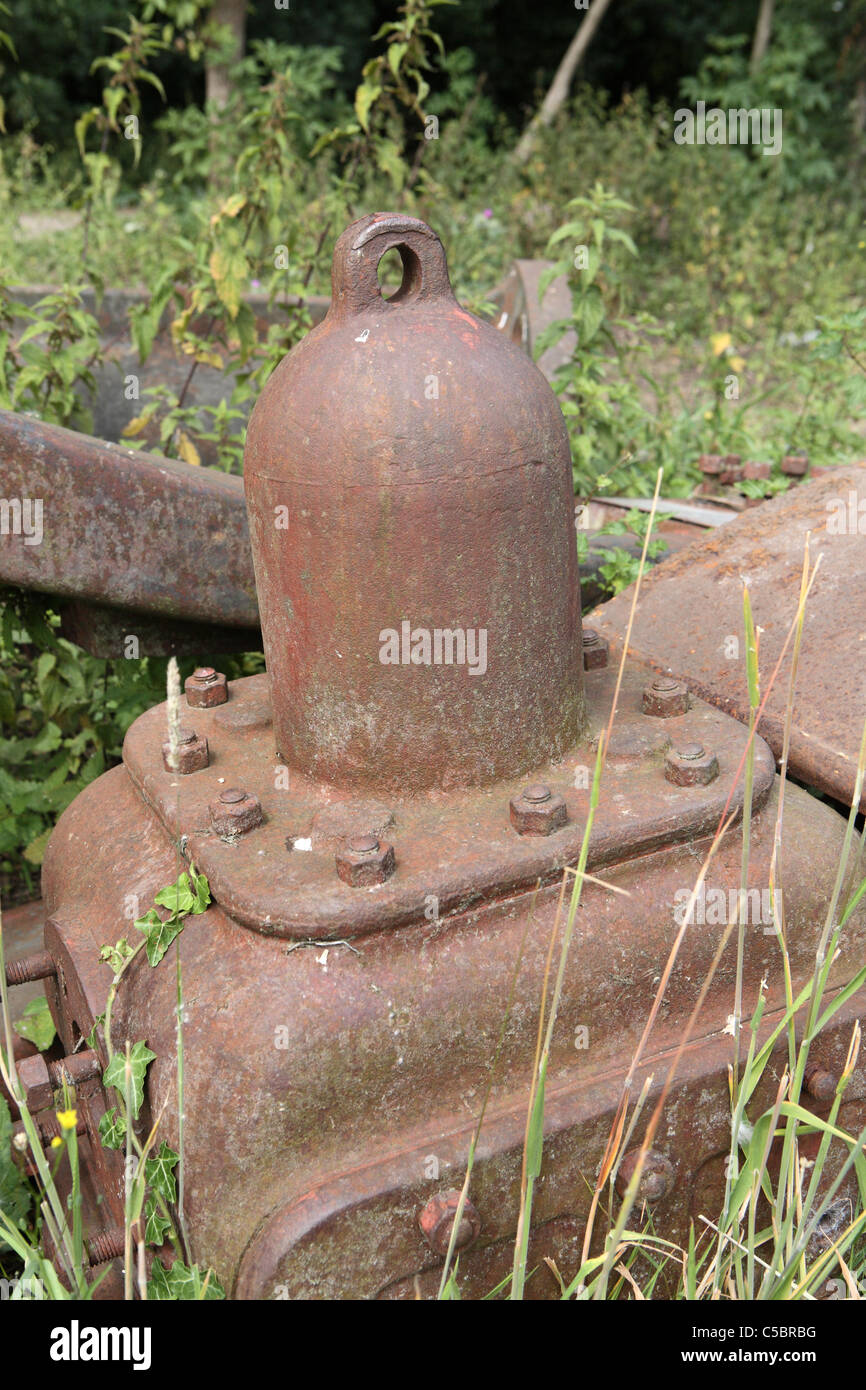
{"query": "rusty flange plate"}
(689, 621)
(456, 849)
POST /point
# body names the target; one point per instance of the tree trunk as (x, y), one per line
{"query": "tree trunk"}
(233, 15)
(761, 41)
(559, 87)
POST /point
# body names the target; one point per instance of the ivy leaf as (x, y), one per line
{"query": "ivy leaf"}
(156, 1226)
(117, 955)
(159, 935)
(177, 897)
(14, 1191)
(36, 1024)
(181, 1283)
(159, 1172)
(140, 1058)
(112, 1132)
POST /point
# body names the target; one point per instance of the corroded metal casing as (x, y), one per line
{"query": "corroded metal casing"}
(409, 487)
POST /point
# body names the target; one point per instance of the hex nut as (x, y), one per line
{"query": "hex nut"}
(795, 465)
(205, 688)
(35, 1078)
(711, 465)
(537, 811)
(656, 1179)
(691, 765)
(192, 753)
(235, 811)
(437, 1218)
(665, 697)
(595, 649)
(364, 860)
(756, 469)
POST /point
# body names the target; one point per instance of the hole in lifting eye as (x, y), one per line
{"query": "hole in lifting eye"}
(399, 273)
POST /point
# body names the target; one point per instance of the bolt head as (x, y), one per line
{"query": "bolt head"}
(537, 811)
(665, 697)
(34, 1077)
(235, 811)
(795, 465)
(656, 1179)
(205, 688)
(437, 1218)
(596, 649)
(820, 1082)
(364, 867)
(691, 766)
(191, 753)
(362, 844)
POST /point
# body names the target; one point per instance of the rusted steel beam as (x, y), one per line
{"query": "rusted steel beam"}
(689, 621)
(86, 520)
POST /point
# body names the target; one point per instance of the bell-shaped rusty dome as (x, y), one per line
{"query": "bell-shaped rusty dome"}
(408, 481)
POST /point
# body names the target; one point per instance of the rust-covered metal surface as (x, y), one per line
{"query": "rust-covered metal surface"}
(331, 1090)
(408, 474)
(384, 875)
(123, 529)
(459, 846)
(689, 621)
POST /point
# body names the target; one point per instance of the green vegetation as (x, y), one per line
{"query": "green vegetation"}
(716, 302)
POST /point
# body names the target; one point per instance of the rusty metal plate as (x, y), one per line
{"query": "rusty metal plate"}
(691, 608)
(457, 846)
(123, 528)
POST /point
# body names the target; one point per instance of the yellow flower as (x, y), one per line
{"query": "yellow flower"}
(708, 415)
(738, 364)
(67, 1119)
(56, 1142)
(720, 342)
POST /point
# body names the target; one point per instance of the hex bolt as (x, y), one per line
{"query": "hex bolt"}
(732, 471)
(754, 469)
(711, 465)
(75, 1069)
(656, 1179)
(691, 765)
(819, 1081)
(38, 966)
(665, 697)
(437, 1219)
(205, 688)
(35, 1078)
(192, 752)
(106, 1245)
(537, 811)
(795, 465)
(595, 649)
(235, 811)
(364, 860)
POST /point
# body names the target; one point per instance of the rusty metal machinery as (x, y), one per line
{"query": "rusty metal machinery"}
(384, 834)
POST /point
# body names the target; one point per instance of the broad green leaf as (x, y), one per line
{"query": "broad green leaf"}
(180, 1283)
(112, 1129)
(159, 1172)
(364, 98)
(36, 1024)
(156, 1226)
(115, 1073)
